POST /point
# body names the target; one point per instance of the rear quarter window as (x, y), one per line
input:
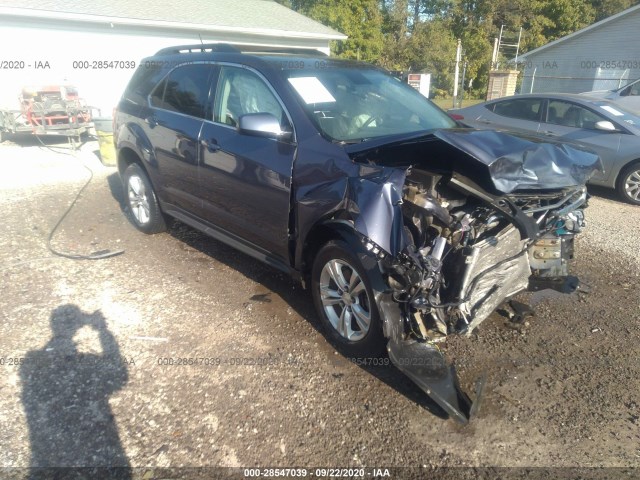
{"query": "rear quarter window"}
(185, 90)
(143, 81)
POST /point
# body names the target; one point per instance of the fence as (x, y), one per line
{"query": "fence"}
(530, 82)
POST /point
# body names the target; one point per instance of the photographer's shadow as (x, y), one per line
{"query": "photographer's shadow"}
(65, 394)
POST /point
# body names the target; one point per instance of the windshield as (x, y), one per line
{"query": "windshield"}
(621, 114)
(352, 103)
(623, 90)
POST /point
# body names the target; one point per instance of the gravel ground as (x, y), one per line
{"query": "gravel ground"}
(613, 227)
(86, 348)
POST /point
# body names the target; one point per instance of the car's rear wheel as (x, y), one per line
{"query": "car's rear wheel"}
(343, 297)
(142, 201)
(628, 185)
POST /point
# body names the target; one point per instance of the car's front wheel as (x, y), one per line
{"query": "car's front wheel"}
(343, 297)
(142, 201)
(628, 185)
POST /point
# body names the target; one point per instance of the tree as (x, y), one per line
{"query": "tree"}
(361, 20)
(432, 49)
(421, 35)
(565, 17)
(395, 30)
(606, 8)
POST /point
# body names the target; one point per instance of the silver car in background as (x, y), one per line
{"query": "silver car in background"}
(612, 131)
(627, 97)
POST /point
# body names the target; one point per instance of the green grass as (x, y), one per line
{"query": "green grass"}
(447, 103)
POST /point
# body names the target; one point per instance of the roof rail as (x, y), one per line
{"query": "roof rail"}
(228, 48)
(265, 49)
(198, 48)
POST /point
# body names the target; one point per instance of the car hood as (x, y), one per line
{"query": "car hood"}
(498, 161)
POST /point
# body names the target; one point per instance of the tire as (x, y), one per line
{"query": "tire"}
(628, 184)
(141, 201)
(350, 319)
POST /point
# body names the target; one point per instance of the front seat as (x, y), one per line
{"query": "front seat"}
(571, 118)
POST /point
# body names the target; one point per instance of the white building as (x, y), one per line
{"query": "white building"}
(603, 56)
(93, 45)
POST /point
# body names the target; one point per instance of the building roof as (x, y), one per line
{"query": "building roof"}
(256, 16)
(590, 28)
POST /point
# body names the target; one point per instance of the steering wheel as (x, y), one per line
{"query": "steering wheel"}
(369, 121)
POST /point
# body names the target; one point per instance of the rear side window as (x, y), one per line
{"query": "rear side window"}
(185, 90)
(521, 108)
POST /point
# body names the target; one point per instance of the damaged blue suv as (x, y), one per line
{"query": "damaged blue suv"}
(406, 226)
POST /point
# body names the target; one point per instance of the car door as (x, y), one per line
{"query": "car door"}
(514, 114)
(173, 123)
(245, 180)
(570, 122)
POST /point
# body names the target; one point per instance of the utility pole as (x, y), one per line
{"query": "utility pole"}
(457, 73)
(494, 55)
(464, 73)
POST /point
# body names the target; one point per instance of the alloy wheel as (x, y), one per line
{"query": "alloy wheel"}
(632, 185)
(345, 300)
(138, 200)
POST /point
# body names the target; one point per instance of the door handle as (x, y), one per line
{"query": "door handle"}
(550, 134)
(210, 145)
(486, 122)
(151, 121)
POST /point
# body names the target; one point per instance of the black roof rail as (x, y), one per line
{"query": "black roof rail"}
(228, 48)
(265, 49)
(212, 47)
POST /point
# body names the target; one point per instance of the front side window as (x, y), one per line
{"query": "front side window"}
(240, 92)
(185, 90)
(521, 108)
(569, 114)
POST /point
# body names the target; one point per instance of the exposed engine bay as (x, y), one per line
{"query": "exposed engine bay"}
(464, 258)
(459, 234)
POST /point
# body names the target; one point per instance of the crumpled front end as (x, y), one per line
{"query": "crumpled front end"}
(452, 251)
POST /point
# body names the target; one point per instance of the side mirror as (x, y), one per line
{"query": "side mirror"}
(606, 126)
(262, 125)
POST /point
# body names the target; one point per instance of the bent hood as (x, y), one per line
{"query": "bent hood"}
(499, 161)
(516, 162)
